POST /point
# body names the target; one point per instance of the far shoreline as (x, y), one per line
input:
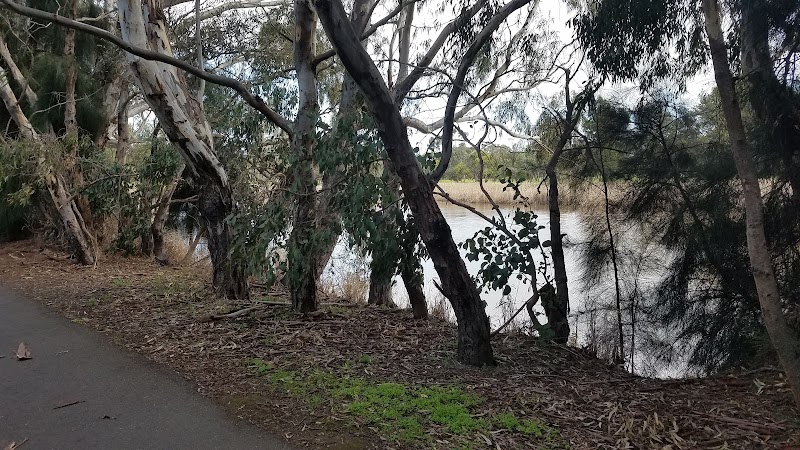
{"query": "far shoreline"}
(571, 197)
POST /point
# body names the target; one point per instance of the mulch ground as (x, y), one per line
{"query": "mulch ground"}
(164, 313)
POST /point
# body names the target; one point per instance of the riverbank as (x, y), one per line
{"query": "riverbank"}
(571, 197)
(357, 377)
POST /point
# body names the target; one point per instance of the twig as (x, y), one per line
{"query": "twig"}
(511, 319)
(69, 404)
(14, 445)
(235, 314)
(753, 426)
(191, 199)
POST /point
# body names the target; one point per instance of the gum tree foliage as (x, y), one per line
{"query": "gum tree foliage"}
(502, 255)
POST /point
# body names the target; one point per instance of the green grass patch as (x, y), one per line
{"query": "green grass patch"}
(531, 427)
(405, 413)
(120, 282)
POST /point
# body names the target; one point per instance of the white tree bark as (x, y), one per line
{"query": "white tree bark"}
(16, 74)
(303, 248)
(13, 108)
(142, 25)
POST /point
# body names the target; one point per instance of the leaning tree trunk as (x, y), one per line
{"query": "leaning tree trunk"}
(79, 240)
(302, 241)
(14, 110)
(183, 120)
(414, 281)
(388, 255)
(474, 346)
(783, 339)
(16, 74)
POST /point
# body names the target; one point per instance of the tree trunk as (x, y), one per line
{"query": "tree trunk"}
(16, 74)
(79, 240)
(189, 256)
(70, 109)
(773, 103)
(411, 273)
(404, 41)
(229, 277)
(614, 265)
(326, 215)
(783, 339)
(123, 130)
(162, 211)
(183, 120)
(302, 241)
(474, 347)
(12, 106)
(558, 312)
(414, 281)
(557, 317)
(380, 283)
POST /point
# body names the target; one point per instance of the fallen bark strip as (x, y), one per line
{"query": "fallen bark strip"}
(247, 310)
(751, 426)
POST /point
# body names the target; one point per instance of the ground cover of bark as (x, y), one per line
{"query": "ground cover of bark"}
(353, 377)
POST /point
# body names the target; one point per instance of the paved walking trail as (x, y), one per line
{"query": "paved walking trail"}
(123, 401)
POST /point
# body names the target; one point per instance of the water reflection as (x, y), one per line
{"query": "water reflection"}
(592, 319)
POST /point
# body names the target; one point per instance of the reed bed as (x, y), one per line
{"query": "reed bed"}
(571, 197)
(177, 244)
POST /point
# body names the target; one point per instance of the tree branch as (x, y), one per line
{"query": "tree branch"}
(466, 62)
(253, 100)
(405, 85)
(368, 32)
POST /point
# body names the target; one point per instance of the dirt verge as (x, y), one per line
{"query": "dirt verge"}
(353, 377)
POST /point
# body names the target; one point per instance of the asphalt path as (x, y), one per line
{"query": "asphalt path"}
(80, 392)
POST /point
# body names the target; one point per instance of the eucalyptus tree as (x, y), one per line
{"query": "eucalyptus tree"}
(473, 324)
(62, 78)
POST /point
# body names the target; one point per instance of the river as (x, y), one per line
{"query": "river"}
(592, 321)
